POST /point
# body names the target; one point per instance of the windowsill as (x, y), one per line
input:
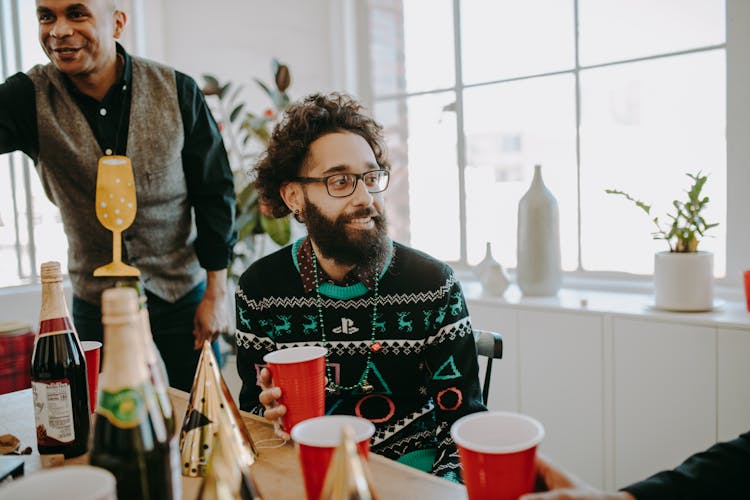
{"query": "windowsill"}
(729, 311)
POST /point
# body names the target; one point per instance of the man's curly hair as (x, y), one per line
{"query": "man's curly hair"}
(303, 123)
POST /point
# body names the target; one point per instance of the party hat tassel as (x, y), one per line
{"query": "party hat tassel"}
(210, 400)
(348, 477)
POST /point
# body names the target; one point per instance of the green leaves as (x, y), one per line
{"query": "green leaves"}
(687, 223)
(246, 135)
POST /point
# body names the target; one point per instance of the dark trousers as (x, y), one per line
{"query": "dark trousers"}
(171, 326)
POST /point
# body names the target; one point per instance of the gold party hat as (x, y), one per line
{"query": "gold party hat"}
(226, 479)
(210, 406)
(348, 477)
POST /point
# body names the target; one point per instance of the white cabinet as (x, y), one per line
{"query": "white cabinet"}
(623, 391)
(504, 386)
(664, 395)
(734, 383)
(561, 375)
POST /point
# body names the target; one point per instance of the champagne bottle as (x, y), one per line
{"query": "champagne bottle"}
(130, 437)
(58, 374)
(158, 377)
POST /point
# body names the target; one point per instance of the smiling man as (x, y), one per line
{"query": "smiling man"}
(400, 346)
(92, 100)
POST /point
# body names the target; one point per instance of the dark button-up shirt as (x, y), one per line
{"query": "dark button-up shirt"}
(207, 171)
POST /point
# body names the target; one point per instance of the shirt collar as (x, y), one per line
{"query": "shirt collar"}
(364, 275)
(122, 85)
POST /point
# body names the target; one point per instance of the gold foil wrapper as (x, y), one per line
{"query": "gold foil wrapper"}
(225, 478)
(211, 409)
(348, 477)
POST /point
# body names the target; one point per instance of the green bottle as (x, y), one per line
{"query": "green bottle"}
(158, 376)
(130, 438)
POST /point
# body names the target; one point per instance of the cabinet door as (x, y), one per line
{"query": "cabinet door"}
(664, 395)
(734, 383)
(504, 379)
(562, 386)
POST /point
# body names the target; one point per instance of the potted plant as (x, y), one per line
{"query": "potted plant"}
(683, 276)
(246, 135)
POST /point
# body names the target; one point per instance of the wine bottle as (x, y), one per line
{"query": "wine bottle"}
(58, 374)
(130, 438)
(158, 377)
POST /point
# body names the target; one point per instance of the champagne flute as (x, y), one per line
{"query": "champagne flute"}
(115, 209)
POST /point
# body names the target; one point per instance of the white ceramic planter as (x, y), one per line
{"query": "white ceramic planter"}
(684, 281)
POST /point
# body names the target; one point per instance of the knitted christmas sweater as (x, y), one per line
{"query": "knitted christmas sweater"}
(423, 360)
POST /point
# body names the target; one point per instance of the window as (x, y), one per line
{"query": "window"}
(627, 94)
(31, 229)
(30, 226)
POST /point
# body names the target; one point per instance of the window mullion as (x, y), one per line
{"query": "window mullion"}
(460, 134)
(577, 80)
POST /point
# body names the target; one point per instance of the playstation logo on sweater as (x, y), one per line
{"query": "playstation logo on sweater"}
(347, 326)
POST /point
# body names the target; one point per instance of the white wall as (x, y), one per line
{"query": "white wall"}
(236, 39)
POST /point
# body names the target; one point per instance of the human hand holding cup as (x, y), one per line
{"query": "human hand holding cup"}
(92, 350)
(299, 375)
(497, 452)
(316, 440)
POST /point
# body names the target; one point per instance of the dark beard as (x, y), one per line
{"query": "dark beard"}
(357, 248)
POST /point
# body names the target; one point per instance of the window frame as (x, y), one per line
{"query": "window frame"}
(737, 49)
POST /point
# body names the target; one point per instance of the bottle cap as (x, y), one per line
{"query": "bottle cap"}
(118, 304)
(51, 272)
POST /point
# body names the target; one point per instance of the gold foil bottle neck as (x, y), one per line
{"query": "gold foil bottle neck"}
(51, 272)
(119, 305)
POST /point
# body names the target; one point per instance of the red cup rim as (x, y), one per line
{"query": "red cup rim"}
(322, 430)
(88, 345)
(488, 447)
(292, 355)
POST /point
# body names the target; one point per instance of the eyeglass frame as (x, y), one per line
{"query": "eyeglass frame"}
(357, 178)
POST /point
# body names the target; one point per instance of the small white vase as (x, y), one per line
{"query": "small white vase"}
(684, 281)
(491, 274)
(539, 270)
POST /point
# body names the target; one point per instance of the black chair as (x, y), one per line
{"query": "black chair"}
(489, 345)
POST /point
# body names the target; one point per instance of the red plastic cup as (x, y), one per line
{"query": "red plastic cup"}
(746, 275)
(316, 439)
(300, 374)
(497, 451)
(92, 349)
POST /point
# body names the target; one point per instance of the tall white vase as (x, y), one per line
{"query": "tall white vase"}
(539, 271)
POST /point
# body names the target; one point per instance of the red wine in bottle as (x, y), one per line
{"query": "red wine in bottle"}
(130, 438)
(58, 374)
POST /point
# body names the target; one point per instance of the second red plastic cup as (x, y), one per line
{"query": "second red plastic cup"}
(93, 352)
(746, 276)
(497, 451)
(316, 440)
(300, 374)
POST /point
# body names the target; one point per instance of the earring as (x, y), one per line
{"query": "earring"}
(297, 216)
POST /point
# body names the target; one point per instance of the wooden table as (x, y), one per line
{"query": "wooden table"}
(276, 471)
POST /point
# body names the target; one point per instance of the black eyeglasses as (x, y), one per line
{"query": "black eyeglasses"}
(342, 185)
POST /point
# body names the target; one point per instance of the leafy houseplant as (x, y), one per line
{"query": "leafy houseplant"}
(687, 226)
(246, 135)
(683, 276)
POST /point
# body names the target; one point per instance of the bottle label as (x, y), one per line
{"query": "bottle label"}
(124, 409)
(55, 326)
(53, 412)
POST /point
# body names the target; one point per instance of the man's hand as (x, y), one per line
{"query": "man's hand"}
(211, 315)
(565, 486)
(269, 397)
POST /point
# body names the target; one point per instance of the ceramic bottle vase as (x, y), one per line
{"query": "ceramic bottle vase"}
(539, 271)
(491, 274)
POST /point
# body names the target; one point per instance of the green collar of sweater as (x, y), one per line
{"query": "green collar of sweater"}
(341, 292)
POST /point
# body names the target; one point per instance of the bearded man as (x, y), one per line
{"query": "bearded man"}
(401, 351)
